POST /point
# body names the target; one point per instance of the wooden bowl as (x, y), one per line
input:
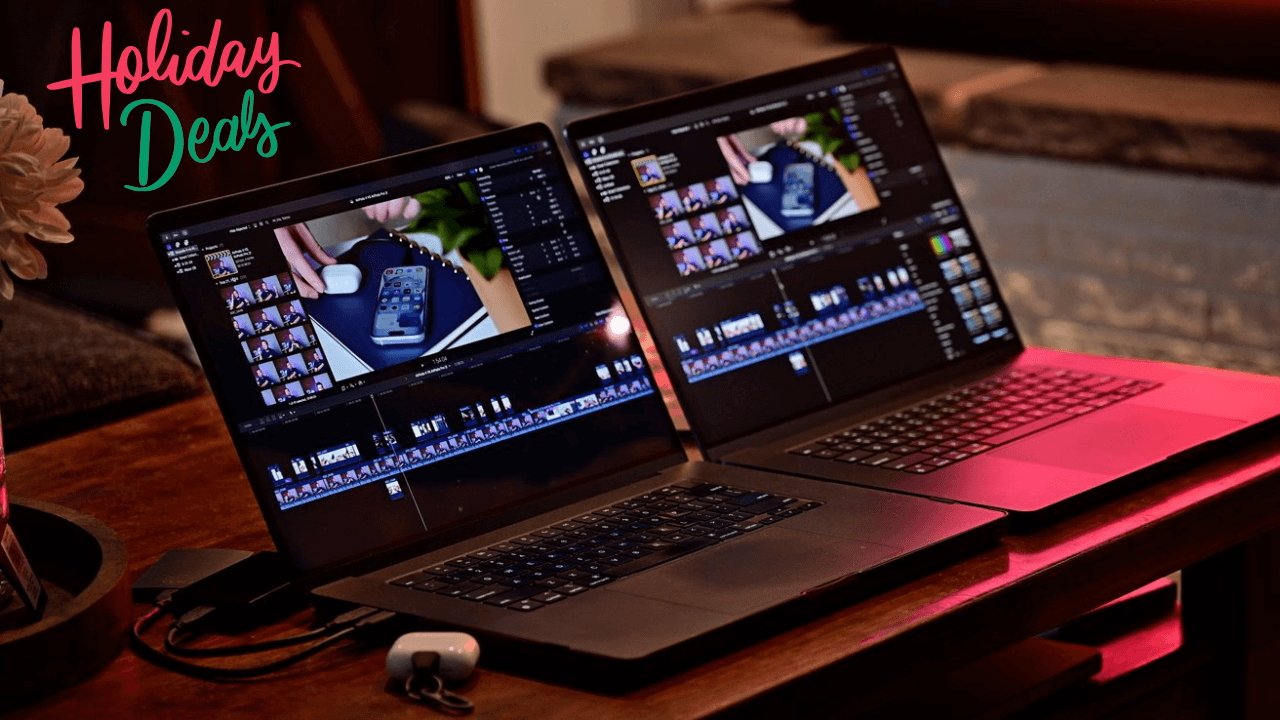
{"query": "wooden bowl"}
(82, 565)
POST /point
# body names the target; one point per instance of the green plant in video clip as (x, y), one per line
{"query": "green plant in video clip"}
(457, 217)
(825, 130)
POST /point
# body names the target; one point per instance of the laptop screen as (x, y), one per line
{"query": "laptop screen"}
(467, 354)
(794, 240)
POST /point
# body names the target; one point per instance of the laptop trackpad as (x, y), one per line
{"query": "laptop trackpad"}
(1119, 439)
(763, 568)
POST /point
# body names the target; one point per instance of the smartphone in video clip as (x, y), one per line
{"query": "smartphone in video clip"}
(400, 317)
(797, 190)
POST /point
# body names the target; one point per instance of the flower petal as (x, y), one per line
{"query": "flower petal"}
(6, 284)
(34, 180)
(52, 145)
(63, 191)
(47, 216)
(25, 261)
(53, 235)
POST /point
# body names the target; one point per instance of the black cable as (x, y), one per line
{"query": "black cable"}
(365, 618)
(173, 644)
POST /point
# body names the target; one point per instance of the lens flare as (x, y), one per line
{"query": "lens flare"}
(619, 325)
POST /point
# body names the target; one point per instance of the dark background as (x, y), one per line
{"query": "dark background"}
(1227, 37)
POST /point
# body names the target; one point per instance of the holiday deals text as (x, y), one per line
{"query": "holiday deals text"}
(208, 63)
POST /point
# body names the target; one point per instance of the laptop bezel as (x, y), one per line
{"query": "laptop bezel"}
(995, 355)
(291, 190)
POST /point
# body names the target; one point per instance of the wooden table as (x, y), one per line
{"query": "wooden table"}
(171, 479)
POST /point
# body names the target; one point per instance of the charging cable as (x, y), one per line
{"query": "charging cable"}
(346, 625)
(182, 629)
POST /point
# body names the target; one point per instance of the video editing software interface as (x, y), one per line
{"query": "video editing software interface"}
(361, 444)
(793, 248)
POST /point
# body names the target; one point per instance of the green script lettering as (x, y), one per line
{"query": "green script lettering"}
(144, 144)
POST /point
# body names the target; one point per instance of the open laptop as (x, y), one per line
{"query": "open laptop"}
(501, 462)
(824, 307)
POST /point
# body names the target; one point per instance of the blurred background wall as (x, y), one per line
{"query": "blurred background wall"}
(515, 39)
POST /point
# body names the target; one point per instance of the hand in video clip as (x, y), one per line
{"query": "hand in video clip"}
(791, 129)
(405, 208)
(739, 158)
(297, 243)
(736, 154)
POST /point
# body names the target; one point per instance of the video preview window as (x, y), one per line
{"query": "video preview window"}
(798, 172)
(400, 279)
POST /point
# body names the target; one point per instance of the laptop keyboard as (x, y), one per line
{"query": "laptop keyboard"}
(571, 557)
(974, 419)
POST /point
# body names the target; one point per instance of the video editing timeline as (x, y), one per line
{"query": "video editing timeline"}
(386, 459)
(744, 340)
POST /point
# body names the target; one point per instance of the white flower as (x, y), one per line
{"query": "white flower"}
(33, 181)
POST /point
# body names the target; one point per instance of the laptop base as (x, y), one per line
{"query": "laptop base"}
(649, 625)
(1195, 413)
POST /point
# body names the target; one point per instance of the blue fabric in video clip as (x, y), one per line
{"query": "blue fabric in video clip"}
(452, 302)
(767, 197)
